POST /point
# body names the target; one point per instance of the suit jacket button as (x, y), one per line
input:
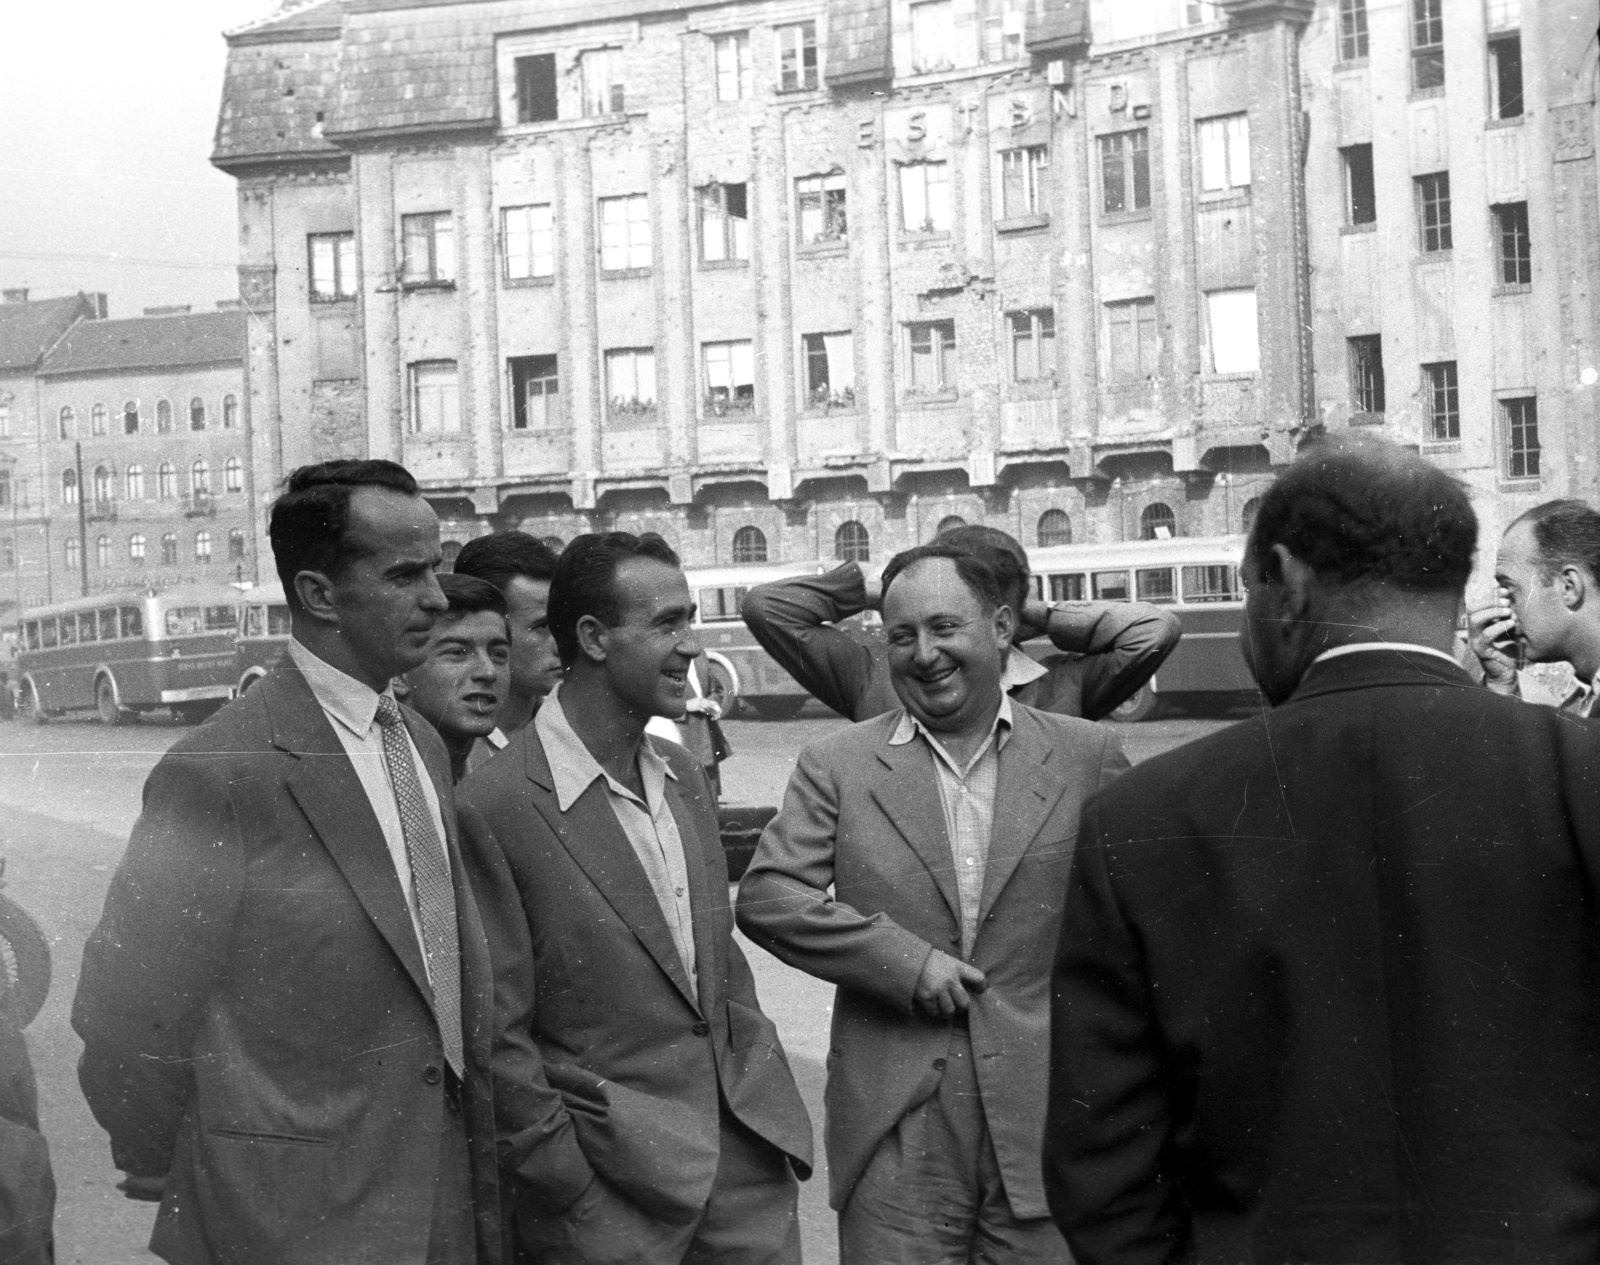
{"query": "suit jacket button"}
(430, 1075)
(938, 1065)
(702, 1029)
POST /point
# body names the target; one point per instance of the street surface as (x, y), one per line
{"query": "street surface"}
(70, 793)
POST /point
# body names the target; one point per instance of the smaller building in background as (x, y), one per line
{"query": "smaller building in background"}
(154, 405)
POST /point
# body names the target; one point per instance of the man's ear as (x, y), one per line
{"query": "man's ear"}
(315, 591)
(1298, 580)
(1574, 586)
(401, 687)
(592, 638)
(1005, 624)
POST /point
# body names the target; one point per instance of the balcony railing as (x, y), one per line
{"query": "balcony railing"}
(102, 510)
(199, 505)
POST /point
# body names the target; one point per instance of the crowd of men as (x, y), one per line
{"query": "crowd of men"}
(422, 950)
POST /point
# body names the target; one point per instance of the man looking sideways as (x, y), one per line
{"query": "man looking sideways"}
(521, 567)
(945, 829)
(460, 686)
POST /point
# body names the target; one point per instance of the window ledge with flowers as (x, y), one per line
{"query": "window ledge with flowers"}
(918, 397)
(716, 406)
(822, 401)
(631, 414)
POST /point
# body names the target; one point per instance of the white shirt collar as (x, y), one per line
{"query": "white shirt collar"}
(1020, 670)
(1403, 647)
(573, 767)
(909, 726)
(496, 739)
(346, 699)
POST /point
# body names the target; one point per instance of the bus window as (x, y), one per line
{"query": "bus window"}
(1154, 584)
(255, 621)
(278, 624)
(47, 633)
(108, 624)
(88, 630)
(132, 621)
(719, 604)
(32, 634)
(69, 630)
(1066, 588)
(1111, 586)
(738, 601)
(221, 618)
(1038, 587)
(184, 621)
(1210, 584)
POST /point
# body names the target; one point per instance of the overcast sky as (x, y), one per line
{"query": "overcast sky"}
(107, 109)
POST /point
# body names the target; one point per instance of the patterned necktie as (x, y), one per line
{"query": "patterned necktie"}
(430, 874)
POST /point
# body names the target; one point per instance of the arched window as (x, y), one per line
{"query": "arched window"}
(166, 481)
(1055, 528)
(197, 414)
(135, 483)
(169, 550)
(749, 545)
(851, 543)
(200, 477)
(69, 486)
(97, 419)
(136, 547)
(236, 544)
(102, 485)
(949, 523)
(230, 412)
(67, 422)
(130, 417)
(102, 551)
(1247, 516)
(554, 542)
(74, 555)
(163, 416)
(233, 475)
(1157, 522)
(202, 546)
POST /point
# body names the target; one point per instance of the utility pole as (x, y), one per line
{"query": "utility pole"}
(83, 524)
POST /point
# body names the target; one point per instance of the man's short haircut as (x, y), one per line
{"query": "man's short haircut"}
(469, 595)
(1361, 510)
(1567, 534)
(585, 583)
(1003, 553)
(309, 524)
(974, 568)
(504, 556)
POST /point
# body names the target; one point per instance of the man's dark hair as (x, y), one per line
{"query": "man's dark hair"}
(585, 583)
(1567, 534)
(1004, 554)
(974, 568)
(502, 557)
(1366, 511)
(310, 522)
(469, 595)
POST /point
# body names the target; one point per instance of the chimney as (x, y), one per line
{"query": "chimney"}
(97, 300)
(18, 295)
(171, 309)
(229, 305)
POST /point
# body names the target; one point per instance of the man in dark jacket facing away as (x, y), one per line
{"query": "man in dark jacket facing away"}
(1328, 987)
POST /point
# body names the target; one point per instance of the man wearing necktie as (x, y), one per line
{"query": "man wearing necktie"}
(285, 1007)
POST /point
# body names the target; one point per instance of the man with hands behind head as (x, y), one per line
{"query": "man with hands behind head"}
(945, 829)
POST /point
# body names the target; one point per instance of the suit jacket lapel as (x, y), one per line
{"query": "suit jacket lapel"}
(710, 939)
(909, 797)
(591, 834)
(1029, 786)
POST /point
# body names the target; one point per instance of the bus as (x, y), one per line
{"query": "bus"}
(129, 651)
(1196, 578)
(263, 633)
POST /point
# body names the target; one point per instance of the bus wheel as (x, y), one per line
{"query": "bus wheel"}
(1141, 706)
(719, 689)
(105, 702)
(28, 710)
(24, 963)
(779, 706)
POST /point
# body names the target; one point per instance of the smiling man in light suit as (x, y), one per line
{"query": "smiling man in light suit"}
(945, 829)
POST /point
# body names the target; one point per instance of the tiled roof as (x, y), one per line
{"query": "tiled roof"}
(318, 15)
(279, 87)
(28, 330)
(858, 42)
(148, 342)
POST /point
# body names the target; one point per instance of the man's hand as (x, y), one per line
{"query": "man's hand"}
(943, 986)
(1486, 625)
(148, 1189)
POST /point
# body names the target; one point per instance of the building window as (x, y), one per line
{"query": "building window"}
(1022, 181)
(233, 475)
(1504, 14)
(1033, 344)
(235, 544)
(536, 88)
(1131, 336)
(97, 420)
(731, 56)
(435, 398)
(428, 249)
(169, 550)
(1360, 192)
(1366, 373)
(1232, 332)
(333, 266)
(797, 56)
(1224, 153)
(851, 543)
(74, 556)
(69, 486)
(1002, 31)
(1505, 76)
(925, 197)
(136, 547)
(1352, 29)
(830, 370)
(730, 377)
(166, 481)
(230, 412)
(1125, 171)
(749, 545)
(5, 488)
(528, 238)
(1427, 45)
(130, 417)
(1444, 401)
(535, 393)
(1522, 437)
(1511, 237)
(1055, 528)
(9, 553)
(102, 551)
(933, 37)
(1157, 522)
(602, 82)
(133, 483)
(202, 546)
(197, 414)
(163, 417)
(1433, 210)
(625, 232)
(5, 421)
(200, 478)
(724, 223)
(631, 381)
(104, 482)
(933, 355)
(1247, 516)
(821, 209)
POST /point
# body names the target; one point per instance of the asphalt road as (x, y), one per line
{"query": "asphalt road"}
(69, 794)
